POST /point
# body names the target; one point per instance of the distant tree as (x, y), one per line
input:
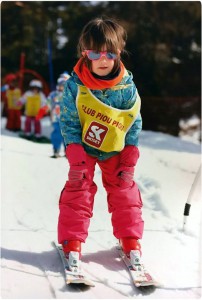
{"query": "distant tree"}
(24, 29)
(164, 46)
(164, 38)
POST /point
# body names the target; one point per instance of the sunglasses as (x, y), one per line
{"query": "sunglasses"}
(93, 55)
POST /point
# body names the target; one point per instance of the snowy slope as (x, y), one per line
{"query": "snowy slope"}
(31, 184)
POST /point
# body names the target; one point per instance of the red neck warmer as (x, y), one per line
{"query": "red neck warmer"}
(93, 83)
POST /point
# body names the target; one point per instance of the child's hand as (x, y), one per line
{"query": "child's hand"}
(129, 156)
(128, 159)
(42, 112)
(76, 154)
(78, 172)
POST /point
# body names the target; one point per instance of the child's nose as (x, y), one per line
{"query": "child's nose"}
(103, 57)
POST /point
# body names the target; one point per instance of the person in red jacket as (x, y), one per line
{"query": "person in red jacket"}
(12, 96)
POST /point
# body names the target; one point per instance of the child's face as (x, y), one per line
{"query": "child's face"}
(13, 84)
(102, 66)
(60, 88)
(35, 90)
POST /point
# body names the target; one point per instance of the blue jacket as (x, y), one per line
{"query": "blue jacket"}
(69, 118)
(53, 100)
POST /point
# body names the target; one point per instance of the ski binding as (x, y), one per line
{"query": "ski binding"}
(140, 276)
(73, 274)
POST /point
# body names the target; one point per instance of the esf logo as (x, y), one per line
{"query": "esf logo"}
(95, 134)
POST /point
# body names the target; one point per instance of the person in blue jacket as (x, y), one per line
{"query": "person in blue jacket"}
(100, 122)
(53, 106)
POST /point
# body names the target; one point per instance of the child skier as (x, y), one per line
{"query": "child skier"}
(53, 106)
(12, 96)
(100, 122)
(33, 99)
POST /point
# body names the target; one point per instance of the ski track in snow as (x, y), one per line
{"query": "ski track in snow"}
(31, 185)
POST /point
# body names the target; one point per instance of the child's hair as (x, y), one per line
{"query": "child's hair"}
(101, 32)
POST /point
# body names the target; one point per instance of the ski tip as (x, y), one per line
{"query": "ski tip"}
(80, 281)
(152, 284)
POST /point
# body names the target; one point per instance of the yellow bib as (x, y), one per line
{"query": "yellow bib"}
(13, 96)
(32, 105)
(104, 127)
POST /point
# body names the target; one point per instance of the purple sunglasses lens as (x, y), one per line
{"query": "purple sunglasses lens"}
(96, 55)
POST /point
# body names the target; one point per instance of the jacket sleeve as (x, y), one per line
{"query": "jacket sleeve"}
(43, 99)
(23, 98)
(129, 100)
(132, 136)
(69, 119)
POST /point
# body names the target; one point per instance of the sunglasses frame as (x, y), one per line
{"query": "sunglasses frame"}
(102, 53)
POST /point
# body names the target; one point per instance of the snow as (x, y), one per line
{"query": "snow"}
(31, 184)
(190, 129)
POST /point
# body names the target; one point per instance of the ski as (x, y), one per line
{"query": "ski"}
(54, 156)
(75, 276)
(140, 276)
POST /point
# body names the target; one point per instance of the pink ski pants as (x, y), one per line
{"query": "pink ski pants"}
(124, 203)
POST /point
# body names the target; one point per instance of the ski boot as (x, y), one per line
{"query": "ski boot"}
(132, 249)
(72, 251)
(55, 154)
